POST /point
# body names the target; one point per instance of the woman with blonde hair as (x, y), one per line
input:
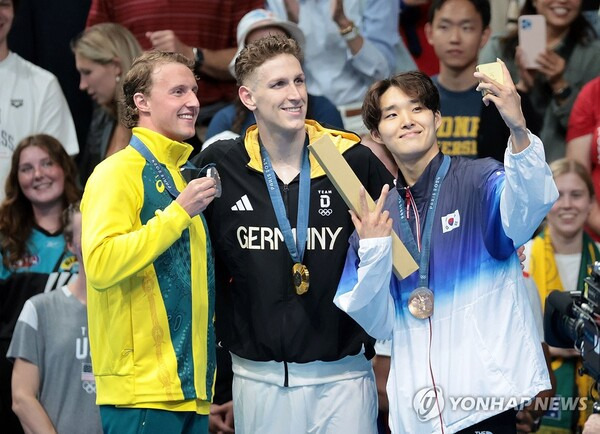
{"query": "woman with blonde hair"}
(559, 258)
(103, 55)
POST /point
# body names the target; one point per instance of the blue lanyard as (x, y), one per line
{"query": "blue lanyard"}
(139, 146)
(296, 248)
(422, 257)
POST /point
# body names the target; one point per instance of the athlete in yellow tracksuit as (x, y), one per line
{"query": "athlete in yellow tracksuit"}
(150, 296)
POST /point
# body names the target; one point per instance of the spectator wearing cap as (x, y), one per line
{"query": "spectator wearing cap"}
(233, 120)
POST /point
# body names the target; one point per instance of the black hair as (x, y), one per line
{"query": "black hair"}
(481, 6)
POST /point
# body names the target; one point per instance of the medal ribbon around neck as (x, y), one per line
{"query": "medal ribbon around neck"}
(139, 146)
(296, 248)
(422, 257)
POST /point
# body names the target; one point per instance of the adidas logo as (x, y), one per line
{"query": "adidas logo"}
(243, 204)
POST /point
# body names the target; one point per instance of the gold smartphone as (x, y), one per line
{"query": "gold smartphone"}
(492, 70)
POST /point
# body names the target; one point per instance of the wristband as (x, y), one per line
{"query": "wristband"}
(563, 92)
(350, 32)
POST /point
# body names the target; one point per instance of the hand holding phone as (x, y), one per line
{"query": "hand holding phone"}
(532, 38)
(494, 71)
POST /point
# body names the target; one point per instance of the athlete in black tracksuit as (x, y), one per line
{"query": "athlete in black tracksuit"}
(259, 316)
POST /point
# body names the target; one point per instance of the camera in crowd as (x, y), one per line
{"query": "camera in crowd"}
(570, 321)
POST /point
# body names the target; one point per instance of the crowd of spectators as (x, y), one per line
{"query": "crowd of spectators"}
(53, 136)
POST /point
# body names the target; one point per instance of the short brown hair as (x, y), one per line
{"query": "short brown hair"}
(139, 79)
(563, 166)
(415, 84)
(258, 52)
(67, 220)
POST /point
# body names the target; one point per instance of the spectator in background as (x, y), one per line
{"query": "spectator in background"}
(349, 45)
(41, 32)
(103, 55)
(559, 258)
(31, 101)
(203, 31)
(236, 118)
(583, 143)
(40, 185)
(572, 59)
(457, 30)
(53, 383)
(413, 17)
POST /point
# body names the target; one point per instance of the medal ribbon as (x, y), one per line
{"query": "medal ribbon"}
(139, 146)
(422, 257)
(296, 248)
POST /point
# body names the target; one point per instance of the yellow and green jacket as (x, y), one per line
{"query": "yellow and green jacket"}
(150, 284)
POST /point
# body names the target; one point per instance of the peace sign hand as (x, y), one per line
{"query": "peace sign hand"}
(373, 224)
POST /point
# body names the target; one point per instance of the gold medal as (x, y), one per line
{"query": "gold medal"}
(420, 303)
(301, 278)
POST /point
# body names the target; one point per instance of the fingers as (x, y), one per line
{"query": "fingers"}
(197, 195)
(162, 39)
(355, 221)
(506, 73)
(372, 223)
(217, 424)
(157, 36)
(384, 192)
(488, 84)
(362, 202)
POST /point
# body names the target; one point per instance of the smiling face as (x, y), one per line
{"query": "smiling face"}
(569, 213)
(40, 178)
(457, 34)
(407, 128)
(276, 93)
(171, 106)
(98, 80)
(559, 14)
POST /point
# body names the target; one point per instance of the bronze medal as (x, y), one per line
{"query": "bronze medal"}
(420, 303)
(301, 278)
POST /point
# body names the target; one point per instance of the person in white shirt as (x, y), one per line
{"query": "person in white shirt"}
(31, 100)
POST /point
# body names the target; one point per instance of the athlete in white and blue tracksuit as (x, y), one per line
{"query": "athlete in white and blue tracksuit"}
(480, 346)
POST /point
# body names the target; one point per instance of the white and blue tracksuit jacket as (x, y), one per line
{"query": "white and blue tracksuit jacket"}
(485, 349)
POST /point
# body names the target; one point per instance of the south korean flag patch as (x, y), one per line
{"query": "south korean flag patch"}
(450, 221)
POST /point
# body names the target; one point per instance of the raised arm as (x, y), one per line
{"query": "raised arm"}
(215, 62)
(528, 191)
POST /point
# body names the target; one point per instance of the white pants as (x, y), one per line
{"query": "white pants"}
(340, 407)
